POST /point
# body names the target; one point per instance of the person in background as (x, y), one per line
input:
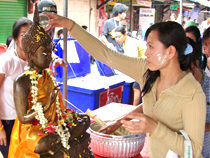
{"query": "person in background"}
(107, 35)
(133, 48)
(198, 25)
(194, 33)
(205, 24)
(190, 18)
(206, 48)
(184, 20)
(124, 23)
(60, 33)
(189, 23)
(9, 39)
(50, 6)
(204, 80)
(183, 23)
(172, 17)
(170, 95)
(12, 64)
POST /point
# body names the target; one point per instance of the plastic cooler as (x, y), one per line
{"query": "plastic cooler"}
(77, 69)
(127, 96)
(104, 70)
(128, 93)
(93, 93)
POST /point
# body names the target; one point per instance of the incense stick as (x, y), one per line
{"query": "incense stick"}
(73, 105)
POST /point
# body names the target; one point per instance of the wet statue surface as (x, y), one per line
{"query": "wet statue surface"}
(44, 128)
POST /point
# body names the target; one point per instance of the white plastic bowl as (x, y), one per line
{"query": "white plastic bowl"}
(112, 146)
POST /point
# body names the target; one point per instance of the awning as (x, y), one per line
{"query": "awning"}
(145, 3)
(202, 2)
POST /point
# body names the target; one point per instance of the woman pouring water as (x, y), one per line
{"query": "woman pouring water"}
(172, 99)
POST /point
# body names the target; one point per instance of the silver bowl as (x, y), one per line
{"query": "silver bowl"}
(110, 146)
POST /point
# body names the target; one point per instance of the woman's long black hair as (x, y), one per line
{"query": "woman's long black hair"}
(169, 33)
(196, 32)
(196, 55)
(18, 24)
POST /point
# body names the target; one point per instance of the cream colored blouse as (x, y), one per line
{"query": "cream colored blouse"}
(181, 106)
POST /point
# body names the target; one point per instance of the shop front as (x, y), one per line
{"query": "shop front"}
(10, 11)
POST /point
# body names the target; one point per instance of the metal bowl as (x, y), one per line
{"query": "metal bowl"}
(105, 145)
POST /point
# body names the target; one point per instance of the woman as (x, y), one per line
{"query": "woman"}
(206, 49)
(133, 48)
(194, 33)
(43, 127)
(12, 64)
(170, 96)
(204, 80)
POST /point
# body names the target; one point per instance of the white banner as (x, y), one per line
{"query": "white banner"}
(146, 19)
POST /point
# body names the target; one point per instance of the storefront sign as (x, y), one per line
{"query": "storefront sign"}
(202, 2)
(145, 3)
(146, 19)
(175, 7)
(205, 2)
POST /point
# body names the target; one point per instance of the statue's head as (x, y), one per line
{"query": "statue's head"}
(36, 40)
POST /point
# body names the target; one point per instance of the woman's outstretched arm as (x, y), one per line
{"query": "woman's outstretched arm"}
(131, 66)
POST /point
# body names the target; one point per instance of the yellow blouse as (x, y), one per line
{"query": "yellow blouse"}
(133, 47)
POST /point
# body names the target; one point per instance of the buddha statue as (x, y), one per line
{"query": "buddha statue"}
(44, 127)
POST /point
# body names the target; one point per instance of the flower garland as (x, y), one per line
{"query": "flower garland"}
(65, 117)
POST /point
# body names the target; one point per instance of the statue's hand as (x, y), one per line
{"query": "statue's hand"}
(58, 61)
(51, 98)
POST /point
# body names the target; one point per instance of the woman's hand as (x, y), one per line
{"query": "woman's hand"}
(51, 98)
(139, 123)
(111, 127)
(3, 138)
(59, 21)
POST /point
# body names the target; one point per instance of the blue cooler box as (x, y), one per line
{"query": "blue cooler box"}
(104, 70)
(128, 93)
(93, 98)
(74, 69)
(127, 96)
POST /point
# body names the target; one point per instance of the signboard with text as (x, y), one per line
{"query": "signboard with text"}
(146, 19)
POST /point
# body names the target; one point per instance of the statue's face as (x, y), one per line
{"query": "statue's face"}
(42, 57)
